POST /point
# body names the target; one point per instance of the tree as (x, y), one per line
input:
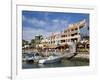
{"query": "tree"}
(39, 37)
(36, 41)
(33, 43)
(24, 42)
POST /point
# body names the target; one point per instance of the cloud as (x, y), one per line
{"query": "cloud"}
(34, 26)
(33, 23)
(30, 33)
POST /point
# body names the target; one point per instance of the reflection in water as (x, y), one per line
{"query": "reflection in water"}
(64, 63)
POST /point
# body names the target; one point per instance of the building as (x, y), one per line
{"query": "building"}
(71, 34)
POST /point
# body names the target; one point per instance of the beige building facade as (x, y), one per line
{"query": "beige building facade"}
(70, 34)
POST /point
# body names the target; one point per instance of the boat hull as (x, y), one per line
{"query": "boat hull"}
(52, 61)
(45, 61)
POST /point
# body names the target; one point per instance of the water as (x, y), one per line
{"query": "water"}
(64, 63)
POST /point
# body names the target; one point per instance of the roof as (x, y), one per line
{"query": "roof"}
(81, 24)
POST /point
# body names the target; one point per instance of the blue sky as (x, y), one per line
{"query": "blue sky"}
(44, 23)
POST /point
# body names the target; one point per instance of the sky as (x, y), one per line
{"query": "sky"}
(44, 23)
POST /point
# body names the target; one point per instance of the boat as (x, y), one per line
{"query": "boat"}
(31, 57)
(50, 59)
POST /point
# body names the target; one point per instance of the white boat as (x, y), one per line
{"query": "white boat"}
(30, 57)
(50, 59)
(54, 59)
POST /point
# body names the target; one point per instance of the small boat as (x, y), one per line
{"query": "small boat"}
(50, 59)
(31, 57)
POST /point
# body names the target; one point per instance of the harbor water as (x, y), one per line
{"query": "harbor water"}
(74, 62)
